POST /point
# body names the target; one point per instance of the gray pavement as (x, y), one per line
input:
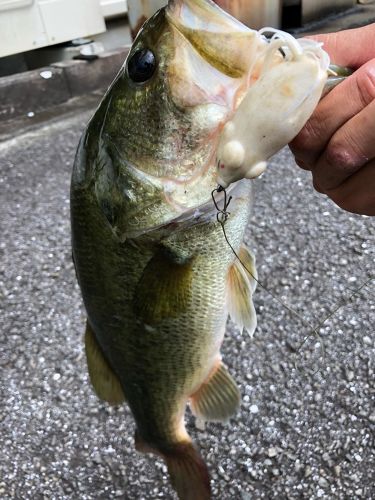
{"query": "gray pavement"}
(300, 434)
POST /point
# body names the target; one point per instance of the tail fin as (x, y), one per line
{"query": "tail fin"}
(188, 473)
(187, 470)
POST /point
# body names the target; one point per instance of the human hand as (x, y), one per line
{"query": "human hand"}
(338, 142)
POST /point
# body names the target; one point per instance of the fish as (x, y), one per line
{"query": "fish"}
(157, 277)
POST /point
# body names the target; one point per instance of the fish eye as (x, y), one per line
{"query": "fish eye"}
(141, 65)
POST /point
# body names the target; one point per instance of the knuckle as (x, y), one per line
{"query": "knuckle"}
(297, 145)
(306, 139)
(311, 131)
(340, 157)
(366, 83)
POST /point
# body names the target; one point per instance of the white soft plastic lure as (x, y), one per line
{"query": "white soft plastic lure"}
(280, 99)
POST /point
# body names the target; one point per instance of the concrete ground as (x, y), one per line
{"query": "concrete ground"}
(305, 428)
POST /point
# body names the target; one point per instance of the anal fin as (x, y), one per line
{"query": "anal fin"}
(218, 398)
(105, 382)
(241, 284)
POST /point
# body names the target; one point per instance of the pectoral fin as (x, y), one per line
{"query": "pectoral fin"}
(241, 285)
(218, 398)
(164, 288)
(105, 382)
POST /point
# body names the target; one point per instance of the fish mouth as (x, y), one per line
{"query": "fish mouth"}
(221, 40)
(208, 71)
(214, 53)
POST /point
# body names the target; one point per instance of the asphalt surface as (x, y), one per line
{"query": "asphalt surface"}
(300, 433)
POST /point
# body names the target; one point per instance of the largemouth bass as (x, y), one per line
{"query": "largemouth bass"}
(157, 277)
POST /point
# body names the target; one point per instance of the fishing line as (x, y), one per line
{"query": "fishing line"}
(221, 217)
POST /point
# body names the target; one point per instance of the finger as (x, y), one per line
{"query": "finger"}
(351, 147)
(350, 47)
(302, 164)
(357, 193)
(339, 106)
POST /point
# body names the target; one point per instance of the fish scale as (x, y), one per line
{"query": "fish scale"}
(168, 362)
(159, 366)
